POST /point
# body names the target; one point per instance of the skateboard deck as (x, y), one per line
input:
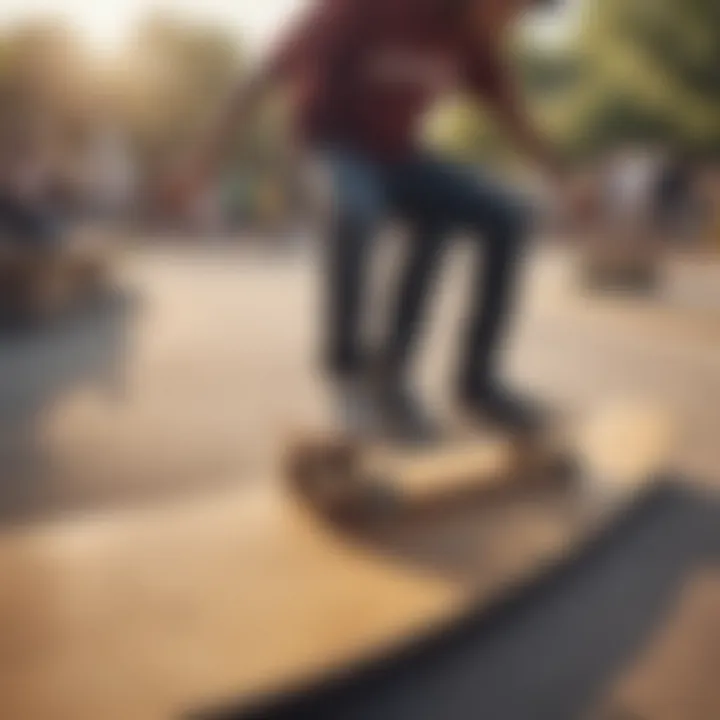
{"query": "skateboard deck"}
(345, 478)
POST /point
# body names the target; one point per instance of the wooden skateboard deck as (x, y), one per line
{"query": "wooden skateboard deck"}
(348, 479)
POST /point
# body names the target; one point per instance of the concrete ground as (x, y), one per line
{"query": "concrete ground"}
(134, 441)
(195, 381)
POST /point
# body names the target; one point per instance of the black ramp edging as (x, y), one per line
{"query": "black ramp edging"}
(546, 653)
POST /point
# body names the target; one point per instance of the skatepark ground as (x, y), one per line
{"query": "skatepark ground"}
(147, 567)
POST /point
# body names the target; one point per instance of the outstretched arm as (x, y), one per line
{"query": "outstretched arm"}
(487, 76)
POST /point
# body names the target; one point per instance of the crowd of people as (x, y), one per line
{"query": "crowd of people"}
(644, 197)
(46, 184)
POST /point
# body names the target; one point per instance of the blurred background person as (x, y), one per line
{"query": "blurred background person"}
(111, 173)
(625, 249)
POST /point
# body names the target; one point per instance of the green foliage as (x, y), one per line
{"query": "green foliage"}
(462, 129)
(646, 70)
(662, 59)
(167, 84)
(179, 73)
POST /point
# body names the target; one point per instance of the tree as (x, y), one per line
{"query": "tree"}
(646, 70)
(641, 70)
(177, 76)
(44, 75)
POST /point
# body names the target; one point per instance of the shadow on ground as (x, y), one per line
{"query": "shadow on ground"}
(553, 650)
(38, 368)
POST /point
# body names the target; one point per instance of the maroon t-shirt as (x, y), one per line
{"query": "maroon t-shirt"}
(367, 70)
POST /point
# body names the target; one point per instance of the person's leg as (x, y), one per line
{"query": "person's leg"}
(493, 291)
(403, 414)
(352, 199)
(355, 213)
(416, 278)
(440, 195)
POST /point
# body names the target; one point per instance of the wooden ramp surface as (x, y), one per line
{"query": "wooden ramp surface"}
(150, 614)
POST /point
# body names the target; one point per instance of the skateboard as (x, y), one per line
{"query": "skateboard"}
(350, 479)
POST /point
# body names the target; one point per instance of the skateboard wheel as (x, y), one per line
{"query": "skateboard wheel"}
(323, 473)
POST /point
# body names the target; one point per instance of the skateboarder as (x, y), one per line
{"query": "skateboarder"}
(362, 73)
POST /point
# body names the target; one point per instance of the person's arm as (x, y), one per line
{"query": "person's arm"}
(487, 77)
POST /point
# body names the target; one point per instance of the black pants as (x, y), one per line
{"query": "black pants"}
(433, 198)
